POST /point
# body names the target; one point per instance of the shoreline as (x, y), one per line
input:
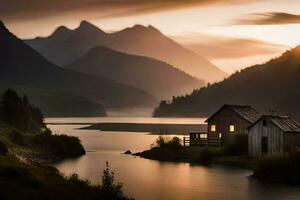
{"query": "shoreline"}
(186, 155)
(154, 128)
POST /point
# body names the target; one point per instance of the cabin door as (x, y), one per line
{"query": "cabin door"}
(264, 145)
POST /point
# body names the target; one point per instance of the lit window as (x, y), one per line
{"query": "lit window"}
(231, 128)
(203, 136)
(220, 135)
(213, 128)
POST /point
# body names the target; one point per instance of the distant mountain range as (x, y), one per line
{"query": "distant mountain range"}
(65, 46)
(159, 78)
(270, 87)
(23, 67)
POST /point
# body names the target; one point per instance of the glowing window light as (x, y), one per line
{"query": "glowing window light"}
(213, 128)
(231, 128)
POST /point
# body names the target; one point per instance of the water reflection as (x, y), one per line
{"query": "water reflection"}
(126, 120)
(152, 180)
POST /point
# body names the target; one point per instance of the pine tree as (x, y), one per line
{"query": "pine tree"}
(19, 113)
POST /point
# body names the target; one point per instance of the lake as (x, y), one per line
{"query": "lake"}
(152, 180)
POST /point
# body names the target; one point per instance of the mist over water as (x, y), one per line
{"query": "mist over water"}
(153, 180)
(131, 112)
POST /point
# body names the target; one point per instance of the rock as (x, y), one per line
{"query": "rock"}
(127, 152)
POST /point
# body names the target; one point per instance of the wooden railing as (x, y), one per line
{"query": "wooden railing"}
(201, 142)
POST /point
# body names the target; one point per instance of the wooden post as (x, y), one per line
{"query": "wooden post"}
(184, 141)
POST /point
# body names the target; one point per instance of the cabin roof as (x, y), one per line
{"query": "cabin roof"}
(285, 123)
(244, 111)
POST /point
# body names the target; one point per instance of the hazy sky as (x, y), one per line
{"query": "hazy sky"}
(231, 33)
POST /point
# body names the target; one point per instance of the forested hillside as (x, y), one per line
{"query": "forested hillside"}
(270, 86)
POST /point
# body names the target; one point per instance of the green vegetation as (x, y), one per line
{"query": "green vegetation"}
(108, 182)
(257, 86)
(174, 143)
(57, 104)
(17, 112)
(166, 149)
(26, 144)
(276, 168)
(280, 168)
(237, 147)
(3, 148)
(23, 181)
(24, 128)
(62, 146)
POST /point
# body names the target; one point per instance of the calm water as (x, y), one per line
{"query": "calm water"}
(153, 180)
(127, 120)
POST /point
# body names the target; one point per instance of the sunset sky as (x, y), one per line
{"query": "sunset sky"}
(231, 33)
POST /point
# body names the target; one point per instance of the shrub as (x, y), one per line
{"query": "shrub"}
(17, 137)
(60, 145)
(160, 141)
(174, 143)
(237, 147)
(282, 168)
(20, 180)
(3, 148)
(75, 180)
(108, 182)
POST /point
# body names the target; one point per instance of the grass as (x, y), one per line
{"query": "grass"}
(166, 149)
(279, 168)
(26, 178)
(23, 181)
(43, 145)
(3, 148)
(25, 142)
(197, 155)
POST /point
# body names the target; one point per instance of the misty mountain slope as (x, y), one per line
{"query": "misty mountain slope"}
(156, 77)
(148, 41)
(22, 65)
(270, 86)
(138, 40)
(55, 104)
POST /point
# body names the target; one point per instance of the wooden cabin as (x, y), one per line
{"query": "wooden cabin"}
(271, 134)
(229, 121)
(224, 124)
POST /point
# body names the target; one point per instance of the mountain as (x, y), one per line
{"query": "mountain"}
(159, 78)
(63, 48)
(270, 86)
(55, 104)
(23, 66)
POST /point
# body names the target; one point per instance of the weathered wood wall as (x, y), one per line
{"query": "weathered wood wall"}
(276, 138)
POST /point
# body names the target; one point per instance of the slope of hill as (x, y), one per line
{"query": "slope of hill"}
(21, 65)
(56, 104)
(270, 86)
(156, 77)
(63, 48)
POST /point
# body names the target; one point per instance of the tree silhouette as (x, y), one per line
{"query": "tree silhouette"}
(18, 112)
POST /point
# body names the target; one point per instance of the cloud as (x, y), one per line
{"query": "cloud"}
(221, 47)
(14, 10)
(270, 18)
